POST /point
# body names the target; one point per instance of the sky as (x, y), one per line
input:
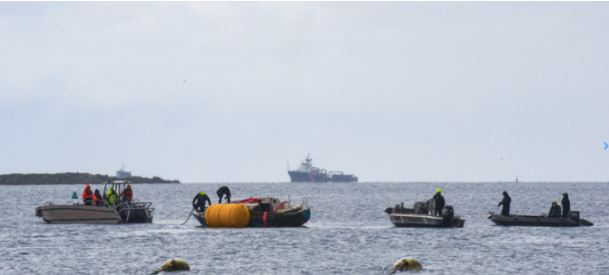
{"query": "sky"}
(236, 92)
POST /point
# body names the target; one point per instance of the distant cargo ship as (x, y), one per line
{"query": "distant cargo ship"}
(309, 173)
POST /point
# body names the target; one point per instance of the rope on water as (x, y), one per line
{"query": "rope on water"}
(189, 215)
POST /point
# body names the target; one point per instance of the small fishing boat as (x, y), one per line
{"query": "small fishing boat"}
(123, 212)
(420, 216)
(541, 220)
(255, 212)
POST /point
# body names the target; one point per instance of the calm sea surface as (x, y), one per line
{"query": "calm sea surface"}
(348, 233)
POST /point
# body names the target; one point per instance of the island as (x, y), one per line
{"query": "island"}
(71, 178)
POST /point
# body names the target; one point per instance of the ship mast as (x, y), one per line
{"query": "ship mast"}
(308, 160)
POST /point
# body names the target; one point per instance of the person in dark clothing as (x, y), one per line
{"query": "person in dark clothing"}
(439, 201)
(223, 191)
(566, 205)
(505, 210)
(198, 203)
(555, 211)
(99, 200)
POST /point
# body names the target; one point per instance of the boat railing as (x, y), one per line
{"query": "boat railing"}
(135, 205)
(304, 202)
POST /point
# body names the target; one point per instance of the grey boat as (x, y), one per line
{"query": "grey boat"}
(541, 220)
(123, 212)
(420, 216)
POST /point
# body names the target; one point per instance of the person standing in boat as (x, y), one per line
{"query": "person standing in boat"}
(198, 203)
(223, 191)
(127, 194)
(555, 211)
(439, 201)
(566, 205)
(111, 196)
(505, 210)
(87, 195)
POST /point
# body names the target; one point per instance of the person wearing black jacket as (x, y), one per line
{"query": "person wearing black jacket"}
(198, 203)
(223, 191)
(566, 205)
(439, 201)
(505, 210)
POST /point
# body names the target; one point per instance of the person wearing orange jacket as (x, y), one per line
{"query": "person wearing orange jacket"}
(87, 195)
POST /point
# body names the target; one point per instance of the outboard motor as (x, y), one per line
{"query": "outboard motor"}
(574, 215)
(447, 215)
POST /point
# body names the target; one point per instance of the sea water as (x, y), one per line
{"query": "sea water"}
(348, 233)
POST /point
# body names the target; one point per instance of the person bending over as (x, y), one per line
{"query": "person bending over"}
(198, 203)
(222, 192)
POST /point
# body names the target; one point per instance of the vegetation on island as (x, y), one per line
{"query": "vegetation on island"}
(71, 178)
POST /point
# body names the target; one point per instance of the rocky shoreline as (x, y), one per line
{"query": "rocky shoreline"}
(71, 178)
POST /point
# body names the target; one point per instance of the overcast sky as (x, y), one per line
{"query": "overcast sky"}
(208, 92)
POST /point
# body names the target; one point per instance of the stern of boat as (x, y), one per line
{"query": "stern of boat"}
(135, 212)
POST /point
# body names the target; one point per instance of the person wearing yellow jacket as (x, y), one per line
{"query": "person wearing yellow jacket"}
(111, 196)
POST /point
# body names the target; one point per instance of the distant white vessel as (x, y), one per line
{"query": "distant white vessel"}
(309, 173)
(123, 174)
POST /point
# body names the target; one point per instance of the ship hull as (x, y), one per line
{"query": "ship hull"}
(343, 178)
(297, 176)
(309, 173)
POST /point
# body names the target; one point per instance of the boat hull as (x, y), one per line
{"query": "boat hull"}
(522, 220)
(413, 217)
(78, 214)
(417, 220)
(290, 219)
(138, 212)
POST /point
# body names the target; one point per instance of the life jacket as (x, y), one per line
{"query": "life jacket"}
(87, 194)
(112, 198)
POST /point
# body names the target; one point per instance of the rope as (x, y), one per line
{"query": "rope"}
(189, 215)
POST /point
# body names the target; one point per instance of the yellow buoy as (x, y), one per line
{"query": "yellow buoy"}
(227, 215)
(405, 264)
(175, 264)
